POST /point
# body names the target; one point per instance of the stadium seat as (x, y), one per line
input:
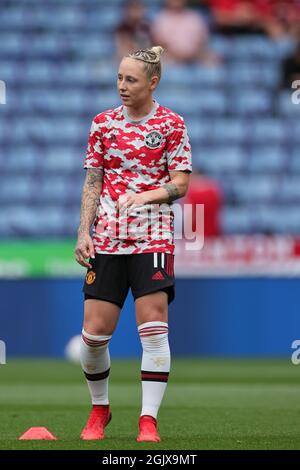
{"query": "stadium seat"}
(12, 45)
(249, 73)
(238, 220)
(54, 189)
(199, 130)
(9, 71)
(221, 45)
(17, 188)
(20, 159)
(229, 130)
(211, 102)
(293, 132)
(210, 76)
(12, 17)
(286, 106)
(289, 189)
(266, 159)
(220, 159)
(104, 18)
(294, 161)
(44, 221)
(256, 188)
(285, 219)
(250, 102)
(178, 75)
(266, 130)
(179, 102)
(58, 65)
(62, 159)
(6, 230)
(255, 48)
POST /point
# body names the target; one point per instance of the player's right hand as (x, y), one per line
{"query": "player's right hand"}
(84, 249)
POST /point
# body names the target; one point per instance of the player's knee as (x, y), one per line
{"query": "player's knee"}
(154, 336)
(153, 311)
(100, 318)
(97, 327)
(95, 341)
(96, 323)
(152, 307)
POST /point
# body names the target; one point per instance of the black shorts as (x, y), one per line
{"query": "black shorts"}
(111, 276)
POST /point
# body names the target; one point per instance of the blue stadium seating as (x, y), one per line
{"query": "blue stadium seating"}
(46, 221)
(250, 102)
(207, 103)
(286, 106)
(285, 220)
(289, 189)
(255, 48)
(248, 73)
(62, 159)
(221, 159)
(238, 220)
(294, 161)
(293, 131)
(269, 130)
(17, 188)
(254, 188)
(229, 131)
(267, 159)
(59, 67)
(198, 129)
(19, 159)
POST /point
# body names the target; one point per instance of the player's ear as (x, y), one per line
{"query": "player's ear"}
(154, 82)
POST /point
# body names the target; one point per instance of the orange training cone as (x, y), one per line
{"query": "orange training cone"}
(37, 433)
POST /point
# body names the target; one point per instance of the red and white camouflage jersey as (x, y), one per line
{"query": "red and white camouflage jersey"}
(136, 156)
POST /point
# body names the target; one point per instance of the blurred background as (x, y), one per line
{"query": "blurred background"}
(228, 70)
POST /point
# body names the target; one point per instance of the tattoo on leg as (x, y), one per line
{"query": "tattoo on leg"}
(172, 191)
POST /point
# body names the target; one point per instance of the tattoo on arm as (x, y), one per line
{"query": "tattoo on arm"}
(90, 198)
(172, 191)
(94, 176)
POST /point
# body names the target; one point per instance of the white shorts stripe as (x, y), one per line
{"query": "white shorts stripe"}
(162, 260)
(155, 259)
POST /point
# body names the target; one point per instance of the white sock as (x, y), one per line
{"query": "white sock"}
(155, 365)
(95, 362)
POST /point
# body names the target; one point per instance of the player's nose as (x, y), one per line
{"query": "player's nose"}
(122, 86)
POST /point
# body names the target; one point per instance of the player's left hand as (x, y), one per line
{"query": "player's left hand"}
(132, 200)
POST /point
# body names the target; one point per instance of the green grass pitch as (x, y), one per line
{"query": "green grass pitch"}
(209, 404)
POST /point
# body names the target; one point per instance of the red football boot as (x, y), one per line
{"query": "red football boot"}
(147, 429)
(99, 417)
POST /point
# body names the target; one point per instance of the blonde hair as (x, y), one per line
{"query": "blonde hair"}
(151, 59)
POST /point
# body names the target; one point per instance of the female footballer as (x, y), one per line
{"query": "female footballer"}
(138, 162)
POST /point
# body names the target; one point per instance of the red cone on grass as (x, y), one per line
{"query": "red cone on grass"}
(37, 433)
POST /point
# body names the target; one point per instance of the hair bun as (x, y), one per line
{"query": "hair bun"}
(151, 56)
(158, 50)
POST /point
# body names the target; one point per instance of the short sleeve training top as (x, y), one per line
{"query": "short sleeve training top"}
(136, 156)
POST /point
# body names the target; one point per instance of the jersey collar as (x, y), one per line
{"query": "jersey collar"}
(145, 118)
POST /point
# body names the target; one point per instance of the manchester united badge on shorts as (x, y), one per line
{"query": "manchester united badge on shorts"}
(90, 277)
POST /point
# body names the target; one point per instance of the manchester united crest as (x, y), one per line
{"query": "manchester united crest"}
(153, 139)
(90, 277)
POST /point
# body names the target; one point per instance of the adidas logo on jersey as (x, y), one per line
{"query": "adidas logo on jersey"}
(113, 137)
(158, 276)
